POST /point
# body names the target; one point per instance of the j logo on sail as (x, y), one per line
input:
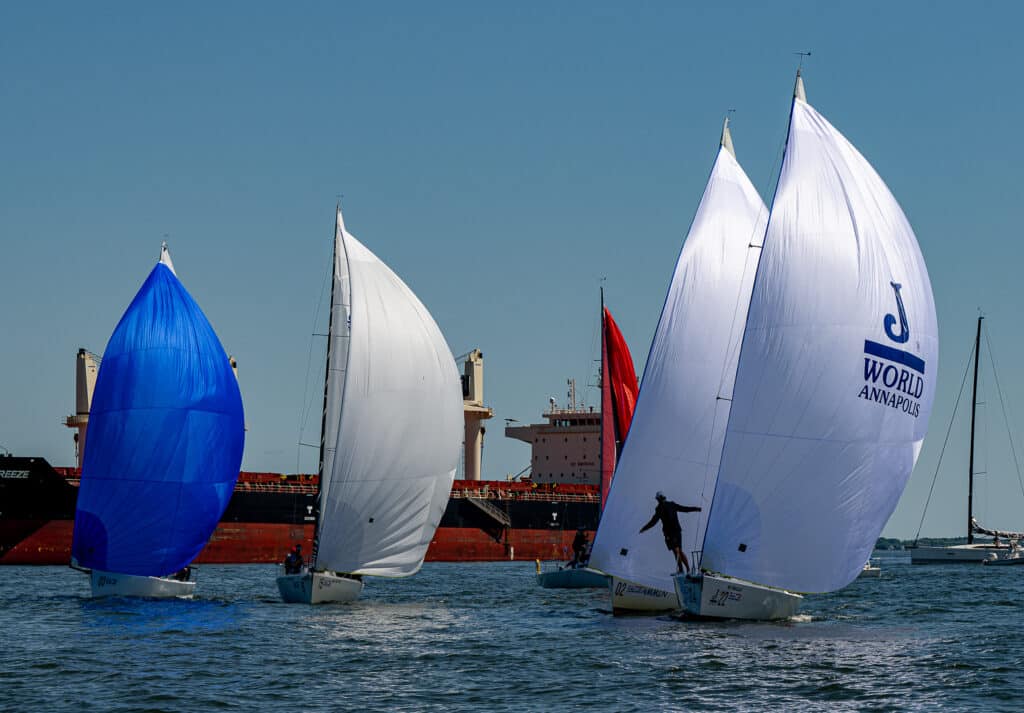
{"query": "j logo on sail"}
(889, 373)
(890, 321)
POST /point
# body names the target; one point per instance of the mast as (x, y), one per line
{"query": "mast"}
(607, 446)
(970, 466)
(605, 410)
(327, 372)
(798, 95)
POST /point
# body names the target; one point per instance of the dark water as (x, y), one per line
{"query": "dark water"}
(483, 637)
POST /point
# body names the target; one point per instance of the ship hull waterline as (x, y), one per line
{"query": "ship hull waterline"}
(114, 584)
(631, 598)
(318, 588)
(709, 596)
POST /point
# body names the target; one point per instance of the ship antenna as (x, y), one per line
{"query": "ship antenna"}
(802, 55)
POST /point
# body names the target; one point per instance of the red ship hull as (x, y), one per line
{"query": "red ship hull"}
(250, 543)
(269, 513)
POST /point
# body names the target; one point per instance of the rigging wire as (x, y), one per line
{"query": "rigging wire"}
(307, 400)
(1002, 403)
(731, 346)
(952, 418)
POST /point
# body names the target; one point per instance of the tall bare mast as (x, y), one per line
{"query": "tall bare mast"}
(970, 467)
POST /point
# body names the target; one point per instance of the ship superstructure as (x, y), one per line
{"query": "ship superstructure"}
(566, 449)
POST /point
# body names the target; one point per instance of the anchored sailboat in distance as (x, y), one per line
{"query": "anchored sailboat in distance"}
(984, 551)
(833, 388)
(676, 436)
(166, 433)
(391, 431)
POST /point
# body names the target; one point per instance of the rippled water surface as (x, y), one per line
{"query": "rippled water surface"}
(484, 637)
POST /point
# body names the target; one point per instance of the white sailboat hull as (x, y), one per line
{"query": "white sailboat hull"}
(718, 597)
(112, 584)
(631, 598)
(318, 588)
(870, 571)
(956, 554)
(572, 578)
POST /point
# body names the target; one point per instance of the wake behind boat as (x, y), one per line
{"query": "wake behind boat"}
(166, 433)
(385, 473)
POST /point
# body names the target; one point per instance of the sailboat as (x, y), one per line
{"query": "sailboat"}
(391, 431)
(166, 433)
(618, 401)
(833, 388)
(984, 551)
(676, 436)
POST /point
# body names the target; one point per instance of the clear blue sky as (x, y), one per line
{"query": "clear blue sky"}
(501, 158)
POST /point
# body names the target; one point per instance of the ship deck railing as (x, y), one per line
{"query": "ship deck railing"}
(484, 493)
(549, 497)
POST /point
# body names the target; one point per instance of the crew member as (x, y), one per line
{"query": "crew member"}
(579, 548)
(293, 561)
(666, 511)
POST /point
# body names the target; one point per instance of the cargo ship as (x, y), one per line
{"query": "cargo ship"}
(531, 516)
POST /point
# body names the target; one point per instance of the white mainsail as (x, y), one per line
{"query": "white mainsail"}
(393, 425)
(836, 374)
(675, 438)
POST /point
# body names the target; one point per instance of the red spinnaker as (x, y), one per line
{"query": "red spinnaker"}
(619, 390)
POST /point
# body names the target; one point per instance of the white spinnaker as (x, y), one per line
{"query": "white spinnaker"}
(399, 432)
(675, 438)
(816, 453)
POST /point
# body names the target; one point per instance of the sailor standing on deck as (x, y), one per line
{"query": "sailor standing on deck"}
(666, 512)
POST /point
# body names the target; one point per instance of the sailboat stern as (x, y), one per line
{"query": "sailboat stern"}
(318, 588)
(718, 597)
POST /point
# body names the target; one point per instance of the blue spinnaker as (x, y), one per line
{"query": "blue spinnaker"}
(165, 437)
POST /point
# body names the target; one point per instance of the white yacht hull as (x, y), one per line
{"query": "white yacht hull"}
(869, 572)
(113, 584)
(318, 588)
(718, 597)
(957, 554)
(631, 598)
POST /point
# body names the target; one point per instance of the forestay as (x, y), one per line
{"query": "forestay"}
(836, 375)
(394, 421)
(166, 433)
(676, 434)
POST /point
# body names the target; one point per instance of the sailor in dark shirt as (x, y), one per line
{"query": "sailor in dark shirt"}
(666, 512)
(293, 561)
(579, 548)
